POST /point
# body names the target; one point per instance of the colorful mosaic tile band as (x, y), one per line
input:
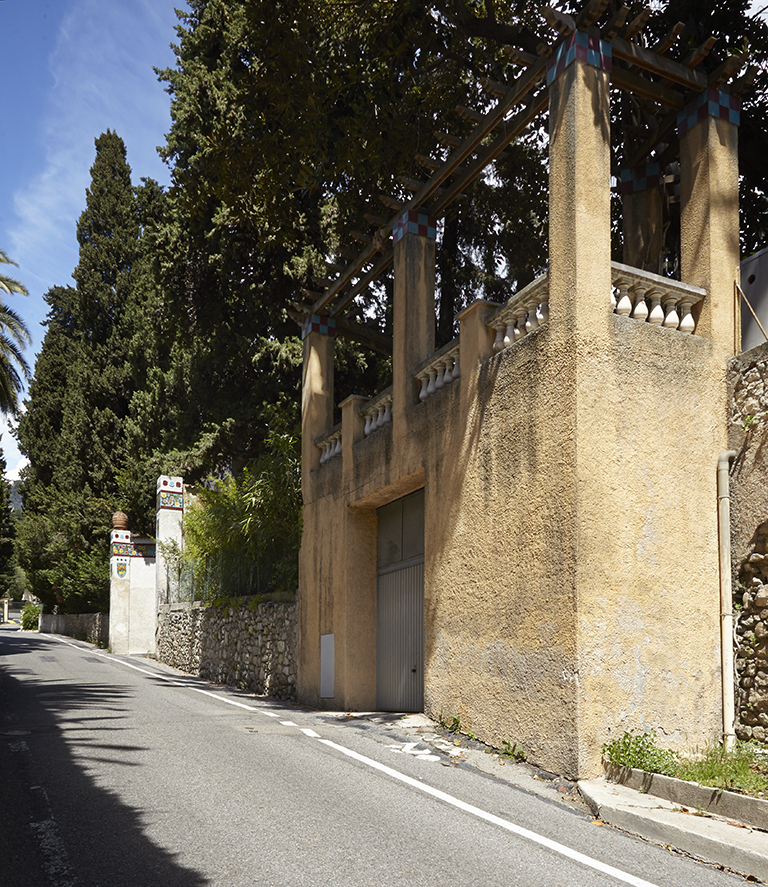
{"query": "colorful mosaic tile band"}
(641, 177)
(143, 549)
(709, 103)
(585, 47)
(414, 222)
(122, 549)
(317, 323)
(166, 499)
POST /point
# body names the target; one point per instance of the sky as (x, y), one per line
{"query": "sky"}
(72, 70)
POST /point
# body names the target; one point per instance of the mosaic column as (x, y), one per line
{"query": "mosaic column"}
(170, 511)
(317, 334)
(709, 213)
(121, 551)
(413, 316)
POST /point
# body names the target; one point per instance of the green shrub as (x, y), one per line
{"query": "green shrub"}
(241, 537)
(30, 616)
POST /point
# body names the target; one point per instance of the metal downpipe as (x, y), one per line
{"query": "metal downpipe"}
(726, 595)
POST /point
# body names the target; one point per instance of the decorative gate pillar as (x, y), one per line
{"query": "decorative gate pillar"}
(170, 512)
(709, 223)
(132, 600)
(121, 551)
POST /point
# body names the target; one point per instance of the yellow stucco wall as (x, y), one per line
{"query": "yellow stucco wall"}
(571, 556)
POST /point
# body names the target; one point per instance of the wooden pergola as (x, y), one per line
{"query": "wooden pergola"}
(664, 86)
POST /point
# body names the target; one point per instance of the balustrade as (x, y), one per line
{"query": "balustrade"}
(377, 412)
(330, 445)
(439, 371)
(653, 299)
(523, 312)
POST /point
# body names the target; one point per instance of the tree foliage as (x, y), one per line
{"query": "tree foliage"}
(174, 352)
(72, 430)
(14, 338)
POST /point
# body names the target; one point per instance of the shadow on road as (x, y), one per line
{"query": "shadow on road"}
(58, 827)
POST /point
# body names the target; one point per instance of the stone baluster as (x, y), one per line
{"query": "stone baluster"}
(498, 342)
(368, 424)
(639, 305)
(656, 317)
(671, 319)
(545, 310)
(440, 378)
(624, 302)
(687, 323)
(532, 321)
(387, 411)
(423, 378)
(449, 364)
(432, 379)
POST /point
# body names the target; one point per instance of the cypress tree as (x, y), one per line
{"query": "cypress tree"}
(72, 430)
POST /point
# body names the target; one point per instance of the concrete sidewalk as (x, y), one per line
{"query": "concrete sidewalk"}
(734, 840)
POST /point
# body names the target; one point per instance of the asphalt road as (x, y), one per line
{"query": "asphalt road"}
(119, 772)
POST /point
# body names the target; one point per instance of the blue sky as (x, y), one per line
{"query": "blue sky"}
(72, 69)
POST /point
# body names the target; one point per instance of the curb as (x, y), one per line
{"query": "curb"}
(743, 808)
(710, 838)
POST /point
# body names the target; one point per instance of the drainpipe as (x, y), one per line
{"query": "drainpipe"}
(726, 595)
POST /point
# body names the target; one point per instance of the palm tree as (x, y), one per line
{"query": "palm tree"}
(14, 337)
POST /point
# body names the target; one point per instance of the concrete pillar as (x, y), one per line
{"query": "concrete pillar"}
(413, 316)
(316, 390)
(579, 341)
(579, 183)
(476, 343)
(170, 513)
(357, 592)
(709, 223)
(643, 217)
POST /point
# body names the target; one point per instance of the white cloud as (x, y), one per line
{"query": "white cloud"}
(102, 77)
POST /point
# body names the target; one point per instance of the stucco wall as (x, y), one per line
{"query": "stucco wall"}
(91, 627)
(242, 644)
(553, 572)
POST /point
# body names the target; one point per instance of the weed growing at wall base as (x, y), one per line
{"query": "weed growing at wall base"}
(639, 750)
(744, 769)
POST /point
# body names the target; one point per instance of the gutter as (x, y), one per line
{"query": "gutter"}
(726, 595)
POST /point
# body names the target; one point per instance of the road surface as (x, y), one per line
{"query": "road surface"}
(121, 772)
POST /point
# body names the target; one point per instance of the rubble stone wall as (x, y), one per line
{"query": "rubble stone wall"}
(244, 644)
(748, 436)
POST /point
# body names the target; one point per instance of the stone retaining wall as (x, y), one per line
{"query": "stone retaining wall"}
(91, 627)
(247, 645)
(748, 436)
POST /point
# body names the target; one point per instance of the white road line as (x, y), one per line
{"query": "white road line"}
(288, 724)
(624, 877)
(54, 854)
(307, 732)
